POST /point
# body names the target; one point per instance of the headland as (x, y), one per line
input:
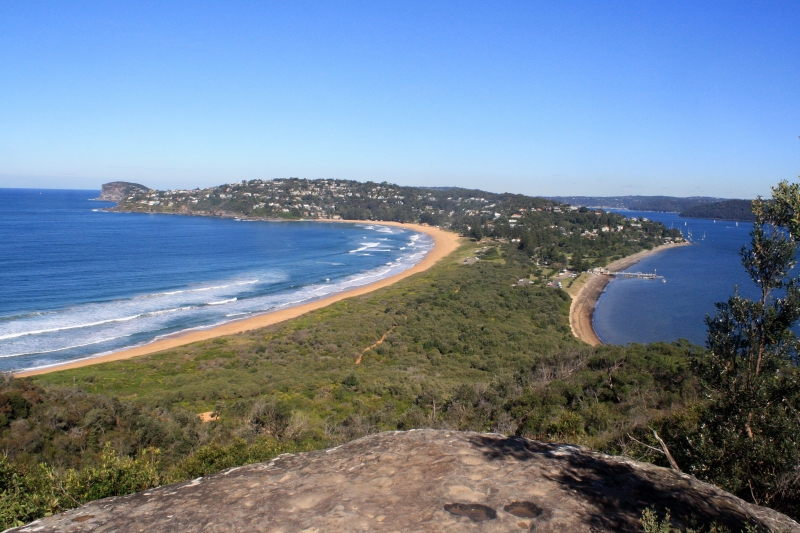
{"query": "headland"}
(581, 310)
(445, 242)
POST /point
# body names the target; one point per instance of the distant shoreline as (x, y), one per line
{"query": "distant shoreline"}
(581, 310)
(445, 242)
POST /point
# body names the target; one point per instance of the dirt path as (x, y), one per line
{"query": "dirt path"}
(445, 242)
(375, 345)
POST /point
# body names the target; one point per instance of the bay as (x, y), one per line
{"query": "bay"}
(77, 281)
(697, 276)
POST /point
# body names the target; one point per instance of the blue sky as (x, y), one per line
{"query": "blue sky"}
(595, 98)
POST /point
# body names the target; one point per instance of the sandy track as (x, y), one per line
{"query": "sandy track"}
(581, 310)
(445, 242)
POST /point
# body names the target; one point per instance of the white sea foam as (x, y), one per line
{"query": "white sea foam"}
(65, 347)
(173, 310)
(222, 302)
(65, 328)
(204, 289)
(144, 318)
(365, 246)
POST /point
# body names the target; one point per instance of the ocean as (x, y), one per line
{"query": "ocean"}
(697, 276)
(78, 282)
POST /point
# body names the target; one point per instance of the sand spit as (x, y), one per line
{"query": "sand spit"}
(581, 309)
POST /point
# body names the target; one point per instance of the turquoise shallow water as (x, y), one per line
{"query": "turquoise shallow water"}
(697, 276)
(77, 281)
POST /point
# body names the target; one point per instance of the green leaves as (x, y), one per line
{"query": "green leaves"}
(746, 440)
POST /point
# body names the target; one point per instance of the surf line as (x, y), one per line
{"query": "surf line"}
(444, 243)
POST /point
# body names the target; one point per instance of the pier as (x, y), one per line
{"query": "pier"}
(636, 275)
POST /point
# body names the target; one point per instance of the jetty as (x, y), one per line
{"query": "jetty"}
(637, 275)
(624, 274)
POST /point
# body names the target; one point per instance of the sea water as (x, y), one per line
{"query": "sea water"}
(697, 276)
(76, 281)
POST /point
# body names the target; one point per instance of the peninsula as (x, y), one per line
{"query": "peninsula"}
(478, 341)
(553, 234)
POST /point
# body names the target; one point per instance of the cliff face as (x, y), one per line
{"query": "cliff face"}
(423, 481)
(119, 190)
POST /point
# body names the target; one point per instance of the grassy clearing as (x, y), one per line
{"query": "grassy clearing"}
(574, 285)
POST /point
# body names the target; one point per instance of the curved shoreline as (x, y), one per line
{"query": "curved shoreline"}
(581, 310)
(444, 243)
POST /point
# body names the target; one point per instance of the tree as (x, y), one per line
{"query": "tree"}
(747, 434)
(476, 231)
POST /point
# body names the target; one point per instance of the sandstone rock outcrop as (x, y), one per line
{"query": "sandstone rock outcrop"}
(422, 481)
(118, 190)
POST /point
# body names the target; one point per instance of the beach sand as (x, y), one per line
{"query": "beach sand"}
(445, 242)
(581, 309)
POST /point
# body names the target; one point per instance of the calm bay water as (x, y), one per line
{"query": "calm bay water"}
(697, 276)
(78, 282)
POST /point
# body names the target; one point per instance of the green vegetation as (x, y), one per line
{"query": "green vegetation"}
(725, 210)
(743, 435)
(556, 235)
(327, 199)
(577, 239)
(118, 190)
(747, 434)
(651, 524)
(466, 347)
(466, 350)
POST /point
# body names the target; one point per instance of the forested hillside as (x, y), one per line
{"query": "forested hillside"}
(549, 232)
(726, 210)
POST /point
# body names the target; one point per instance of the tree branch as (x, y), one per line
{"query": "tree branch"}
(672, 462)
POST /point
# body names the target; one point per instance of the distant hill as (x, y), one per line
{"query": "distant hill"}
(724, 210)
(665, 204)
(549, 232)
(116, 191)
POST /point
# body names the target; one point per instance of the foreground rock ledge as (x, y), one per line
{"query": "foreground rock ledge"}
(424, 480)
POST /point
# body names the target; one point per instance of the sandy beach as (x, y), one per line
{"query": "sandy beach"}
(445, 242)
(581, 309)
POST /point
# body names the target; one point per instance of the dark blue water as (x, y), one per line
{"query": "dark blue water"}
(697, 276)
(76, 281)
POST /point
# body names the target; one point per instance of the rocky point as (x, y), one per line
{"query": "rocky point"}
(424, 481)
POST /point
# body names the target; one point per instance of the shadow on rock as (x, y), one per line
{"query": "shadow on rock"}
(617, 490)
